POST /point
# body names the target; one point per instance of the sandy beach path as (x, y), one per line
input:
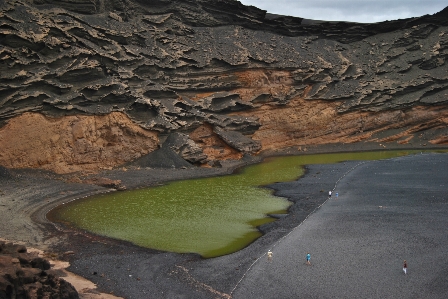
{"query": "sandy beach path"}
(386, 212)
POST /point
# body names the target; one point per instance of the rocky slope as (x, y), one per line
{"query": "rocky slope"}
(93, 84)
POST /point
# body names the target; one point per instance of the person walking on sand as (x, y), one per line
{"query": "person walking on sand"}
(405, 266)
(270, 256)
(308, 257)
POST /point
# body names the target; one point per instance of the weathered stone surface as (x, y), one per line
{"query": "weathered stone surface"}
(24, 275)
(214, 146)
(182, 145)
(201, 67)
(73, 143)
(238, 141)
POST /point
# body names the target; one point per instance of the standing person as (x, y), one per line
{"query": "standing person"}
(405, 266)
(329, 193)
(308, 257)
(269, 256)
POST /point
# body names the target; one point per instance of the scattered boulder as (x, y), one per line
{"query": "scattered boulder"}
(185, 147)
(25, 275)
(238, 141)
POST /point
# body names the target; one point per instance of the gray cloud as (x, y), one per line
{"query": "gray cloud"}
(365, 11)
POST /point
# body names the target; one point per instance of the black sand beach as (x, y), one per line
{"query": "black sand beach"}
(386, 211)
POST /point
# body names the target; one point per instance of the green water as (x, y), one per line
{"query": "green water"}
(209, 216)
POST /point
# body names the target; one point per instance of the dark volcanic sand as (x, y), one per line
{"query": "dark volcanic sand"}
(357, 246)
(386, 212)
(353, 242)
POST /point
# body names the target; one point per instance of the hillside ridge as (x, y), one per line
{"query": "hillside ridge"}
(94, 84)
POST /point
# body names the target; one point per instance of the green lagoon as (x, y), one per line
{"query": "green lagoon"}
(209, 216)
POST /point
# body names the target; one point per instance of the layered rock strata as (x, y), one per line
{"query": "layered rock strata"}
(89, 85)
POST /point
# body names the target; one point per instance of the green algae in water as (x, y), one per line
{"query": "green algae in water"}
(209, 216)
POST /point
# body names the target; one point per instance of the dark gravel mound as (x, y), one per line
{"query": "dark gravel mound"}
(161, 158)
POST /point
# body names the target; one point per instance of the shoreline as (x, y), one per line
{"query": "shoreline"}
(29, 195)
(387, 211)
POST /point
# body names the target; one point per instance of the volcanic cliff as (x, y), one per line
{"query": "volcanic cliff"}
(94, 84)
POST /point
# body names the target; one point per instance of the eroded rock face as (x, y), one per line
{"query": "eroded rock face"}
(231, 79)
(73, 143)
(182, 145)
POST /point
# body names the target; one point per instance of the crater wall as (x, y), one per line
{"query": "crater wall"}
(95, 84)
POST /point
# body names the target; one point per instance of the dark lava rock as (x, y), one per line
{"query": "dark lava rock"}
(182, 145)
(91, 59)
(24, 275)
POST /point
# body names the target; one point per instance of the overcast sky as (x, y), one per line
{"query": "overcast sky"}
(364, 11)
